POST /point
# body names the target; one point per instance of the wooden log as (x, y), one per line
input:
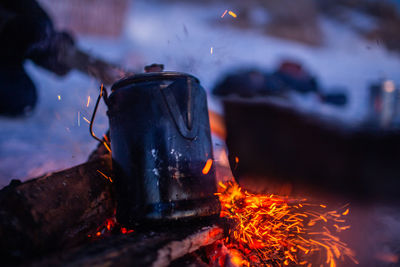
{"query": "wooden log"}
(56, 210)
(149, 248)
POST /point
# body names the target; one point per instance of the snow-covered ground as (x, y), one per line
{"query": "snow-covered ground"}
(180, 36)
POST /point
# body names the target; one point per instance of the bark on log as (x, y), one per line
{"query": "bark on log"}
(56, 210)
(139, 249)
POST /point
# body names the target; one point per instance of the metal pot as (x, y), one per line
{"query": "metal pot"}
(161, 148)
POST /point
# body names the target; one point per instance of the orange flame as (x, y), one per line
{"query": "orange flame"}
(108, 227)
(270, 230)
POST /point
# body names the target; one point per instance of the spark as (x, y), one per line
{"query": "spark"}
(59, 97)
(85, 119)
(233, 14)
(107, 147)
(223, 15)
(271, 230)
(106, 142)
(88, 102)
(345, 212)
(105, 176)
(207, 167)
(211, 50)
(106, 138)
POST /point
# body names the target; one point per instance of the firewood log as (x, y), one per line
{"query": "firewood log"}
(148, 248)
(57, 210)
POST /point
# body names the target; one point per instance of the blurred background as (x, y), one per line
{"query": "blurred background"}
(343, 44)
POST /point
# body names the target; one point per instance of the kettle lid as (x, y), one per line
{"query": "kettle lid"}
(151, 76)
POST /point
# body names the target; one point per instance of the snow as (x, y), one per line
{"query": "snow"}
(179, 35)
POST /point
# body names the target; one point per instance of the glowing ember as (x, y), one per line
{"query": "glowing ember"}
(85, 119)
(345, 212)
(105, 176)
(59, 97)
(88, 102)
(109, 227)
(207, 167)
(270, 230)
(233, 14)
(211, 50)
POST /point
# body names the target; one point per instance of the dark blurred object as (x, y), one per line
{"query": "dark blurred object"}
(289, 77)
(337, 98)
(27, 33)
(18, 93)
(271, 141)
(249, 83)
(295, 78)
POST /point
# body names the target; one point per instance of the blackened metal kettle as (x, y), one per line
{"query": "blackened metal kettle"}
(161, 148)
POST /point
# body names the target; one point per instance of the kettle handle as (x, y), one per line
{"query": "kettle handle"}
(104, 94)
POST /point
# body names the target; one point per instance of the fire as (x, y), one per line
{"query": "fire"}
(270, 230)
(109, 227)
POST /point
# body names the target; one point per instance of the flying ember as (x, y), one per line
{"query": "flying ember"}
(223, 15)
(269, 230)
(233, 14)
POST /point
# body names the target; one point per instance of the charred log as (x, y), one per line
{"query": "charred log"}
(150, 248)
(56, 210)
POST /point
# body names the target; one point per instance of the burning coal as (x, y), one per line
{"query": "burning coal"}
(269, 230)
(109, 227)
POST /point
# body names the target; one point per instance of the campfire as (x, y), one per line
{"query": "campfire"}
(270, 230)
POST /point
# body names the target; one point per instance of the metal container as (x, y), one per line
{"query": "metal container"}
(161, 143)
